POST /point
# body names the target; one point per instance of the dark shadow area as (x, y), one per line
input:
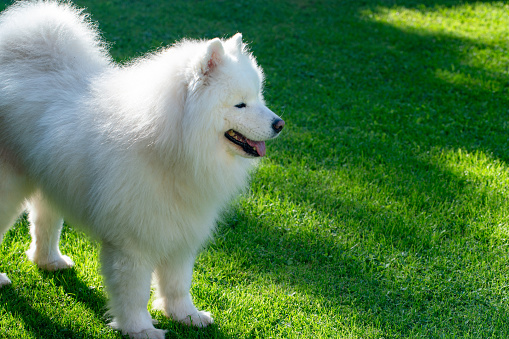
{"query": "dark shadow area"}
(39, 324)
(78, 290)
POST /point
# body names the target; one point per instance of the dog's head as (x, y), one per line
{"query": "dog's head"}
(229, 79)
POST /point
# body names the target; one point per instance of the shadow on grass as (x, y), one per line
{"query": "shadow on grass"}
(39, 324)
(43, 325)
(82, 293)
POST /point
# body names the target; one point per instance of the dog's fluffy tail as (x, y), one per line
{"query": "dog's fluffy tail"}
(49, 36)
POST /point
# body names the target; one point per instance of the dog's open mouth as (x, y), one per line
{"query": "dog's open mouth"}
(254, 148)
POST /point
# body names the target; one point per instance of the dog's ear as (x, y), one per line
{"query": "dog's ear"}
(236, 43)
(213, 57)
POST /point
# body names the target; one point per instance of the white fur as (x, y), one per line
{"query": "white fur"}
(134, 154)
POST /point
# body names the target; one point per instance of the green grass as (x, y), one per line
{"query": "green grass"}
(381, 212)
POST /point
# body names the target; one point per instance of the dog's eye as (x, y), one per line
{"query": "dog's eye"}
(241, 105)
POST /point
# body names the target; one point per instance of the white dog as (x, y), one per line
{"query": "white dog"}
(143, 156)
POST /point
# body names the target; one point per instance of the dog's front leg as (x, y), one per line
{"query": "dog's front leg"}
(127, 279)
(173, 284)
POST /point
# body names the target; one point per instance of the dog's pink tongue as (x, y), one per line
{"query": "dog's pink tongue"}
(260, 146)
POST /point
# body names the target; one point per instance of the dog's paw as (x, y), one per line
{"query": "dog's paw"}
(63, 262)
(4, 280)
(151, 333)
(51, 263)
(183, 311)
(136, 331)
(198, 319)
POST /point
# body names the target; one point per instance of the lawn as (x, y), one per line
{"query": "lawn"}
(381, 212)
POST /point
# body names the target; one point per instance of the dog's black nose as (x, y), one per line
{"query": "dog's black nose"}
(278, 125)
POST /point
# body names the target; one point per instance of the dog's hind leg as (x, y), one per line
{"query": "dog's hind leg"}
(45, 227)
(14, 188)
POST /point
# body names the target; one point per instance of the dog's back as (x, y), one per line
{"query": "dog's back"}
(55, 38)
(48, 56)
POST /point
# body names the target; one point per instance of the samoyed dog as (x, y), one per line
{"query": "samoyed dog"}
(143, 156)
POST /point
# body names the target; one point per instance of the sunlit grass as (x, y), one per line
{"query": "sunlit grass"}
(476, 20)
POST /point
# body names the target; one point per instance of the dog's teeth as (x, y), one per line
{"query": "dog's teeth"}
(236, 136)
